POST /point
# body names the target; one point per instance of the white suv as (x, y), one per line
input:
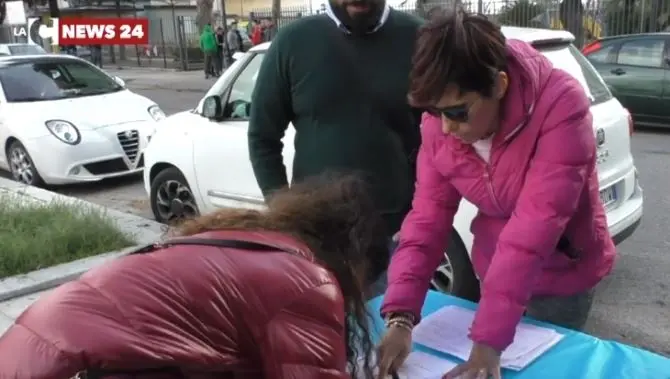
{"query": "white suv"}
(198, 164)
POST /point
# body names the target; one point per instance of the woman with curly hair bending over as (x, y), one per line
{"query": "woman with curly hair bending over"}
(512, 135)
(274, 294)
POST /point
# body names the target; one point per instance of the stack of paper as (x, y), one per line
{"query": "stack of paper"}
(447, 331)
(419, 365)
(424, 366)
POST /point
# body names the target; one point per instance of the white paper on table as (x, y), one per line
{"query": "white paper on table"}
(522, 362)
(447, 331)
(419, 365)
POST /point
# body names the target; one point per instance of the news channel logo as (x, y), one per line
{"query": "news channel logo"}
(37, 31)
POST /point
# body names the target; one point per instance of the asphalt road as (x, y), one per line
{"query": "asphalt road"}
(632, 304)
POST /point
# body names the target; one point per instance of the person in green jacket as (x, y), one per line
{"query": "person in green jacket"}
(209, 49)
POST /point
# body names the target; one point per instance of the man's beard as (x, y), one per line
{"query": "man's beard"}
(361, 23)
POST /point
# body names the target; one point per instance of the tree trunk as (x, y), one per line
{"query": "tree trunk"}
(276, 12)
(572, 17)
(54, 11)
(203, 16)
(628, 17)
(654, 16)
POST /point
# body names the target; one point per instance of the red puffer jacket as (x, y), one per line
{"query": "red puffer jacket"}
(213, 312)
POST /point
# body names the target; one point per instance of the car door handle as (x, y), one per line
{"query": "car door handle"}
(618, 71)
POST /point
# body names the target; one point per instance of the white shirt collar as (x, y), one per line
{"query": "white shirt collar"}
(382, 19)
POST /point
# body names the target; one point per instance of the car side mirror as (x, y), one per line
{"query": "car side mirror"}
(211, 107)
(120, 81)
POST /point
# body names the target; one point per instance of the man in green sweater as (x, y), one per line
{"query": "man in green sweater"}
(341, 79)
(209, 50)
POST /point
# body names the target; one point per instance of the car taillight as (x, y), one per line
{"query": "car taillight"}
(631, 125)
(592, 47)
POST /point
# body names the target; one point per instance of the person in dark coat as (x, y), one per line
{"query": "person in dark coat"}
(362, 124)
(96, 55)
(281, 303)
(220, 45)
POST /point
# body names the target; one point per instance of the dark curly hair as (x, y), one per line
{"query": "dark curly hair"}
(455, 48)
(336, 218)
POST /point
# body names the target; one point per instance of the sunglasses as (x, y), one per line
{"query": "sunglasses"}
(457, 113)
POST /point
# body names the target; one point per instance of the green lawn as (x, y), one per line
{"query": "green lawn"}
(36, 235)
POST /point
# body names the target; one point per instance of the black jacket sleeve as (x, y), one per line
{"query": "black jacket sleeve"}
(271, 112)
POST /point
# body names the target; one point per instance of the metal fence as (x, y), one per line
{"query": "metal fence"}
(174, 41)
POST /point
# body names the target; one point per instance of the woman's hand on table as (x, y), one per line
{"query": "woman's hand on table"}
(393, 350)
(484, 363)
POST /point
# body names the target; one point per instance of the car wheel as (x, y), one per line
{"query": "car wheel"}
(455, 274)
(22, 166)
(171, 198)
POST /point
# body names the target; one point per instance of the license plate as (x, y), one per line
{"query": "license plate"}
(608, 196)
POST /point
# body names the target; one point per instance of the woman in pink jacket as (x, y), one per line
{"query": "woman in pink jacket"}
(513, 136)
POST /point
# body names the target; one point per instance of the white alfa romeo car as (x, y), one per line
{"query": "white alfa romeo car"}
(63, 120)
(198, 160)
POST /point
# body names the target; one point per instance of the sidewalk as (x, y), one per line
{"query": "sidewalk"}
(179, 81)
(18, 292)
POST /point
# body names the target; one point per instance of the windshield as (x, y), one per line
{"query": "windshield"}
(25, 49)
(43, 81)
(222, 83)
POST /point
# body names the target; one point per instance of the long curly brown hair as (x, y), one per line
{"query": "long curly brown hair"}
(336, 218)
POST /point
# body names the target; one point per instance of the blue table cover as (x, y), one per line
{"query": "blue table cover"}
(576, 356)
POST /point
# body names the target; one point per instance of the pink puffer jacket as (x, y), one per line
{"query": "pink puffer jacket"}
(541, 184)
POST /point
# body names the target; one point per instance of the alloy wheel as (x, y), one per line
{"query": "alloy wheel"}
(22, 167)
(175, 202)
(443, 278)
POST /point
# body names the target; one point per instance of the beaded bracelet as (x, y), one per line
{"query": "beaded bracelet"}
(400, 320)
(400, 324)
(406, 317)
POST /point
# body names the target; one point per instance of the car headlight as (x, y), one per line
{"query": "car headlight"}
(64, 131)
(156, 112)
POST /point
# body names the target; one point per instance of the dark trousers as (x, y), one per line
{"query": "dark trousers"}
(570, 312)
(209, 63)
(219, 61)
(96, 57)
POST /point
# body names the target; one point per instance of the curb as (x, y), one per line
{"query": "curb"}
(143, 68)
(144, 231)
(203, 91)
(39, 280)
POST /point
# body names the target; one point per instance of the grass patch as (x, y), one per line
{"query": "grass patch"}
(35, 235)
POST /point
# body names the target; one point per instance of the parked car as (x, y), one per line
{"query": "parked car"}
(636, 67)
(198, 160)
(63, 120)
(20, 49)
